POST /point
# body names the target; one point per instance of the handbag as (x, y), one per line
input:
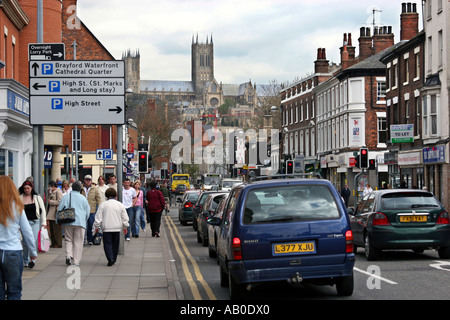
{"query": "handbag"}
(97, 239)
(66, 215)
(43, 240)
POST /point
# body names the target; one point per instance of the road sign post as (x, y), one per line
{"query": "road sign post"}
(77, 92)
(46, 51)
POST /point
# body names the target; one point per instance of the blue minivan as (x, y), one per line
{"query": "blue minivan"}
(294, 230)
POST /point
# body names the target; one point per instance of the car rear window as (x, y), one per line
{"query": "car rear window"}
(193, 196)
(290, 204)
(408, 200)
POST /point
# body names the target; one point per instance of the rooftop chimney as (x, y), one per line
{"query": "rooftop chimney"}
(409, 21)
(321, 64)
(383, 38)
(347, 52)
(365, 43)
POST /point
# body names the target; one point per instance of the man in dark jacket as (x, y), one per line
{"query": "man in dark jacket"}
(155, 206)
(345, 193)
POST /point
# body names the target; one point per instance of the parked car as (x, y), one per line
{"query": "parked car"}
(400, 219)
(180, 189)
(199, 206)
(213, 230)
(208, 210)
(227, 184)
(294, 230)
(186, 206)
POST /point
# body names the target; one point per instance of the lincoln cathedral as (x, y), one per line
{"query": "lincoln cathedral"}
(203, 91)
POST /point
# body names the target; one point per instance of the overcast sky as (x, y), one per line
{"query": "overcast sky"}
(261, 40)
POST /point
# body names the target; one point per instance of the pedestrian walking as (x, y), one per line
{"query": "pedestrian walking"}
(112, 218)
(166, 195)
(345, 194)
(74, 231)
(94, 198)
(128, 199)
(36, 215)
(367, 190)
(112, 182)
(155, 205)
(138, 209)
(54, 198)
(13, 225)
(102, 187)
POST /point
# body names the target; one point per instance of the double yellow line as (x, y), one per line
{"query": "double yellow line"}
(178, 241)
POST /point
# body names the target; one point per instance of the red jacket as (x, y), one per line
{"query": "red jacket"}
(156, 202)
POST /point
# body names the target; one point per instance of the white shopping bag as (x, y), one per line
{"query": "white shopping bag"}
(43, 240)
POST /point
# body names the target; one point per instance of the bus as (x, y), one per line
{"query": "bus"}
(180, 178)
(211, 181)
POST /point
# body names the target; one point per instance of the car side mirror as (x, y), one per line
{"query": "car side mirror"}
(214, 221)
(351, 211)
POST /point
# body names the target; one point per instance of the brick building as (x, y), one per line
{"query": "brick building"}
(82, 44)
(404, 79)
(16, 146)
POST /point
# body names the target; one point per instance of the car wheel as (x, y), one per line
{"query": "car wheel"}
(223, 278)
(211, 252)
(444, 252)
(237, 290)
(344, 286)
(204, 241)
(371, 252)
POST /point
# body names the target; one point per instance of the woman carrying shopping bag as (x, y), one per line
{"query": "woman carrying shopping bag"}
(112, 218)
(36, 215)
(74, 231)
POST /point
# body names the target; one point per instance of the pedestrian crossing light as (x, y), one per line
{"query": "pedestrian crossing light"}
(143, 161)
(364, 158)
(289, 167)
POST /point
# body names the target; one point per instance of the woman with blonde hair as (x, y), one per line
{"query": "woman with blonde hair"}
(13, 223)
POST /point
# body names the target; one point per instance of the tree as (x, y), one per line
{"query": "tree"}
(268, 96)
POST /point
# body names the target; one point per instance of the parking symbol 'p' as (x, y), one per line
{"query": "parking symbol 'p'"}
(47, 68)
(57, 104)
(54, 86)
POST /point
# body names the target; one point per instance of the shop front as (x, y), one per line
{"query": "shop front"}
(16, 143)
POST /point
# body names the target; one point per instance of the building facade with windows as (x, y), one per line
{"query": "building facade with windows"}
(404, 80)
(435, 99)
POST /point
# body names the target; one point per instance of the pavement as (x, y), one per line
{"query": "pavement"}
(144, 271)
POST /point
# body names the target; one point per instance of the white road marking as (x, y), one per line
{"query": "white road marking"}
(375, 276)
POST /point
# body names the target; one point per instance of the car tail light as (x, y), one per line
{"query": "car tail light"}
(349, 241)
(237, 249)
(443, 218)
(188, 205)
(379, 219)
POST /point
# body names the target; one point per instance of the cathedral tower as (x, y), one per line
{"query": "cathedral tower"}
(202, 64)
(132, 70)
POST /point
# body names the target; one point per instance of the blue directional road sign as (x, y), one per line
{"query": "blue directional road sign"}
(104, 154)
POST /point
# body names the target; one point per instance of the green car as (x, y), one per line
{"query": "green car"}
(400, 219)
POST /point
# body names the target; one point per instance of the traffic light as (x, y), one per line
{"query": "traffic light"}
(289, 167)
(67, 164)
(174, 168)
(142, 161)
(371, 164)
(80, 162)
(364, 158)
